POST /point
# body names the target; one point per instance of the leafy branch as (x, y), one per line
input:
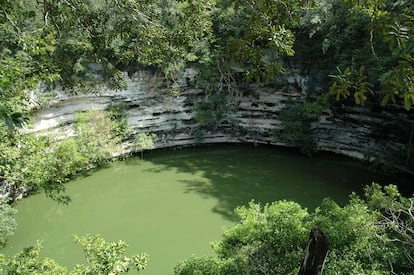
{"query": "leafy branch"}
(350, 82)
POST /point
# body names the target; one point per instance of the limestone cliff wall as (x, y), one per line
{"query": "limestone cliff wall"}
(373, 135)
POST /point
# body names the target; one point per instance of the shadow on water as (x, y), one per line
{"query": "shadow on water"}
(174, 203)
(237, 174)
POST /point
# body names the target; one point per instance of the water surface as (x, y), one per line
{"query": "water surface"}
(173, 203)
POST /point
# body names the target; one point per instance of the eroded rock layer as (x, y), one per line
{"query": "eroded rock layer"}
(381, 136)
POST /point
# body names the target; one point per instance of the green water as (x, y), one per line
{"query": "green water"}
(174, 203)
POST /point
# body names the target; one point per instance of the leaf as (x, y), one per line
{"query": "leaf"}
(407, 103)
(357, 99)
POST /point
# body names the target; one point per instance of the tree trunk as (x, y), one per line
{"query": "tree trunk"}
(316, 252)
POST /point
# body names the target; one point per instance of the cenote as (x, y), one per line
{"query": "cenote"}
(173, 203)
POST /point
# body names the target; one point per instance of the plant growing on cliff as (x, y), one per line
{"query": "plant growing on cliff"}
(212, 110)
(350, 82)
(297, 119)
(29, 162)
(144, 141)
(118, 116)
(94, 143)
(96, 135)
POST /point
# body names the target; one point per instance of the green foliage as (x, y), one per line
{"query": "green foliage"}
(361, 87)
(357, 243)
(161, 33)
(107, 257)
(397, 219)
(297, 119)
(27, 261)
(208, 266)
(39, 162)
(94, 143)
(101, 258)
(96, 134)
(25, 59)
(77, 44)
(212, 110)
(268, 240)
(373, 35)
(399, 83)
(249, 41)
(69, 158)
(27, 162)
(255, 35)
(272, 239)
(118, 116)
(7, 222)
(340, 88)
(350, 81)
(144, 141)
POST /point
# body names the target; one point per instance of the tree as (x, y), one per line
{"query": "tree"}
(107, 257)
(162, 33)
(144, 141)
(29, 162)
(268, 240)
(96, 135)
(357, 243)
(78, 44)
(102, 258)
(7, 221)
(370, 41)
(297, 119)
(27, 261)
(26, 53)
(397, 217)
(272, 239)
(254, 36)
(350, 81)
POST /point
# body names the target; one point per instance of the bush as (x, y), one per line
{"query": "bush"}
(297, 119)
(364, 238)
(7, 222)
(38, 162)
(101, 258)
(144, 141)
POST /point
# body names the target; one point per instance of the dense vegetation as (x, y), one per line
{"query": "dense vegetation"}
(7, 222)
(360, 52)
(350, 49)
(370, 235)
(101, 258)
(31, 162)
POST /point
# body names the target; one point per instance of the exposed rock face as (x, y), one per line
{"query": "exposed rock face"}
(355, 132)
(380, 135)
